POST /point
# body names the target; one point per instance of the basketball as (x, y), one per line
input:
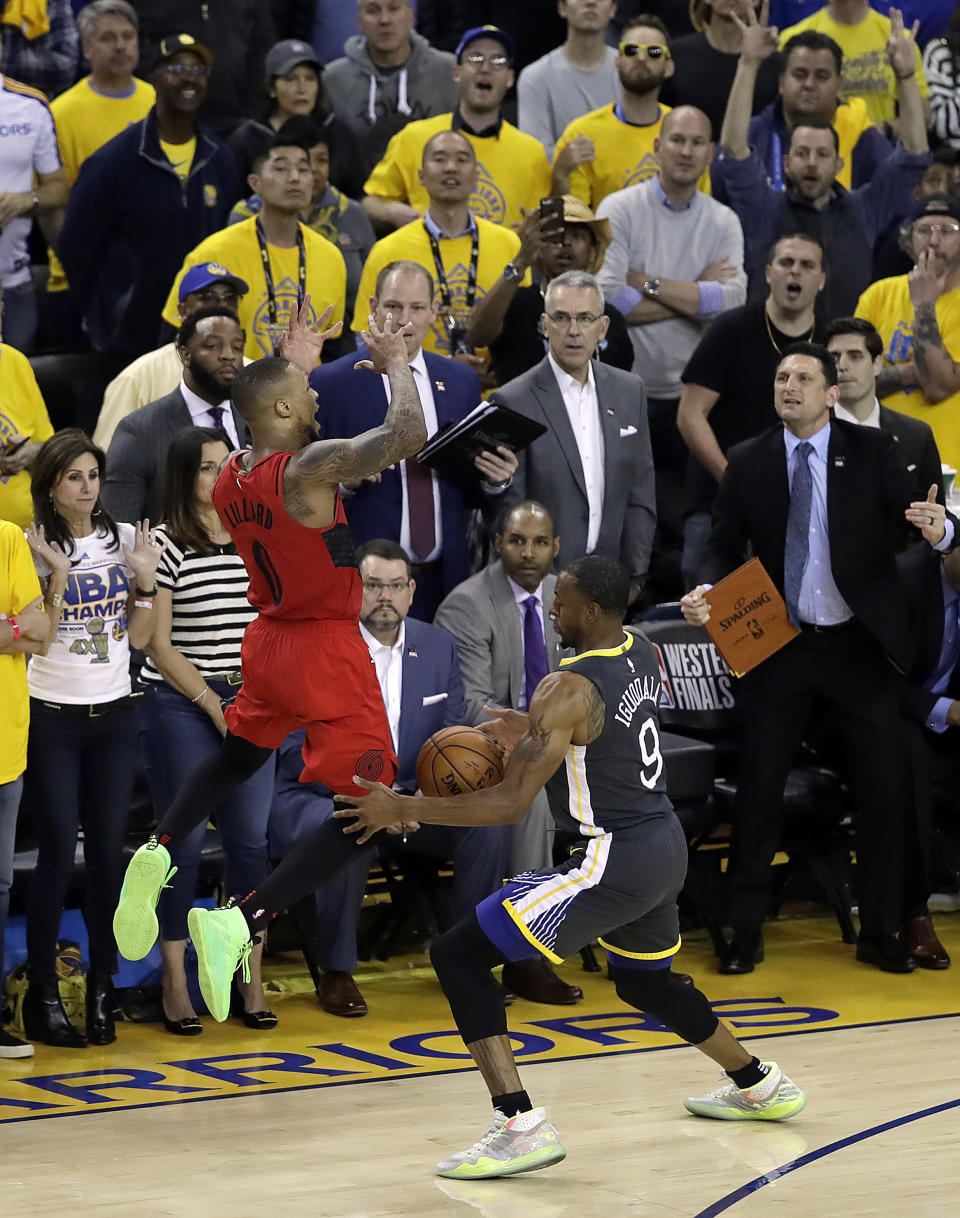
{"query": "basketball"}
(458, 759)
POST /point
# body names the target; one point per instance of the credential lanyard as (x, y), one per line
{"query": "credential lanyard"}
(442, 286)
(268, 273)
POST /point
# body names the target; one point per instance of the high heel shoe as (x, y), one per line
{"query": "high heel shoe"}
(101, 1004)
(45, 1020)
(260, 1021)
(191, 1026)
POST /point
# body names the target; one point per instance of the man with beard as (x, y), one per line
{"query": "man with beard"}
(846, 223)
(281, 258)
(728, 381)
(613, 147)
(139, 204)
(918, 316)
(512, 169)
(210, 347)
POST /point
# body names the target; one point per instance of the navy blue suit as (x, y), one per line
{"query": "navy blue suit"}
(352, 402)
(431, 698)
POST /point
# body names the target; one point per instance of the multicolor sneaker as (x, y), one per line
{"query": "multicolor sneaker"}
(774, 1098)
(135, 925)
(12, 1046)
(223, 943)
(525, 1142)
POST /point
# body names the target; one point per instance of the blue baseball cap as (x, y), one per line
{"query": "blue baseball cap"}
(200, 277)
(488, 31)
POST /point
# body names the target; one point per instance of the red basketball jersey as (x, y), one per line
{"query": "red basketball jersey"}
(295, 572)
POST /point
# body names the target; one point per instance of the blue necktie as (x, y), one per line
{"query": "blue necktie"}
(797, 546)
(534, 648)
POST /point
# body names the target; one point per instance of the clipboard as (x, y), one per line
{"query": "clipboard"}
(748, 617)
(451, 451)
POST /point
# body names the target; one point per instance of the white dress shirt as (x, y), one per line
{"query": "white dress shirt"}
(200, 414)
(520, 595)
(872, 419)
(389, 665)
(583, 410)
(424, 385)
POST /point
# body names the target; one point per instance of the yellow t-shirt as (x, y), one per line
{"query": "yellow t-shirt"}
(180, 156)
(513, 171)
(624, 155)
(237, 248)
(888, 305)
(866, 72)
(85, 121)
(19, 587)
(22, 412)
(496, 246)
(850, 121)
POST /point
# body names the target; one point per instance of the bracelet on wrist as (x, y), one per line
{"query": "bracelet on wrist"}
(145, 591)
(54, 599)
(16, 629)
(140, 604)
(198, 700)
(905, 76)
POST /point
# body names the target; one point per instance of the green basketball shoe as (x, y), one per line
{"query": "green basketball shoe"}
(525, 1142)
(135, 925)
(223, 943)
(774, 1098)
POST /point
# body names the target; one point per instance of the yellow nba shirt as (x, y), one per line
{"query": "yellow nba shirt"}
(24, 413)
(866, 72)
(888, 305)
(85, 121)
(496, 246)
(624, 154)
(513, 170)
(19, 587)
(236, 248)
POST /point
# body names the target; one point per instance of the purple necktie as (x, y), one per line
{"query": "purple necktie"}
(216, 413)
(534, 648)
(423, 536)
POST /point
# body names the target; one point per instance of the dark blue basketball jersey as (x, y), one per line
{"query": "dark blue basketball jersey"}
(618, 780)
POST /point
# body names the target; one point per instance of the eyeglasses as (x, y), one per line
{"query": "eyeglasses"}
(939, 226)
(565, 319)
(187, 69)
(653, 50)
(375, 586)
(477, 60)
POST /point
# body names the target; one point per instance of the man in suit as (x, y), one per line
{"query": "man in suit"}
(411, 504)
(210, 347)
(857, 351)
(592, 470)
(422, 691)
(930, 704)
(823, 505)
(507, 643)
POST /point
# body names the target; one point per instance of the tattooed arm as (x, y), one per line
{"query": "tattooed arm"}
(401, 434)
(896, 378)
(937, 374)
(565, 709)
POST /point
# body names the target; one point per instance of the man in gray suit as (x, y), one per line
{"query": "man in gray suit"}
(593, 469)
(506, 644)
(210, 347)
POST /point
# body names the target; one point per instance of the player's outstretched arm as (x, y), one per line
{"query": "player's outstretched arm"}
(565, 708)
(401, 434)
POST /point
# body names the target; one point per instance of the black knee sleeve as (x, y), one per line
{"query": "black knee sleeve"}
(680, 1007)
(463, 958)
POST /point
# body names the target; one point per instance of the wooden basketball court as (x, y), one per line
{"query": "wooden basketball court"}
(346, 1118)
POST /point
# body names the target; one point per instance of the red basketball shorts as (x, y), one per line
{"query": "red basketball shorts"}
(317, 675)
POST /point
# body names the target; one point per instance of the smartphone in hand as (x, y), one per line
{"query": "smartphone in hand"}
(551, 209)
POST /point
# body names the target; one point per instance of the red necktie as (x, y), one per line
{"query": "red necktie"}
(423, 535)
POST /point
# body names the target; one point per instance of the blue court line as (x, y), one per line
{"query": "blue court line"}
(771, 1177)
(417, 1072)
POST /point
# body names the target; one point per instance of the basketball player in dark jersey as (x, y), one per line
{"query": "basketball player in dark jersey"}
(304, 661)
(592, 736)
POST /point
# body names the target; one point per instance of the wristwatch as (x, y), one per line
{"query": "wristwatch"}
(512, 273)
(34, 204)
(651, 288)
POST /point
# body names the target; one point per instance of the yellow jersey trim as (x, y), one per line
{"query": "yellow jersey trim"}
(619, 951)
(602, 651)
(521, 926)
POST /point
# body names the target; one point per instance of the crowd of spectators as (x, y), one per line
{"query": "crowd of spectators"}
(614, 218)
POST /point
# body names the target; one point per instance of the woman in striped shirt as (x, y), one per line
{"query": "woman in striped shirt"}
(192, 669)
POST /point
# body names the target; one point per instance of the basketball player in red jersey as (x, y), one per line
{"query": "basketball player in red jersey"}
(304, 661)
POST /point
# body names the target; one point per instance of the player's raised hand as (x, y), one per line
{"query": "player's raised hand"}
(506, 728)
(386, 345)
(378, 809)
(303, 342)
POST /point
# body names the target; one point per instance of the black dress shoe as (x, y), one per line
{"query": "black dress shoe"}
(885, 952)
(339, 994)
(920, 940)
(536, 981)
(190, 1026)
(101, 1004)
(44, 1018)
(260, 1021)
(743, 953)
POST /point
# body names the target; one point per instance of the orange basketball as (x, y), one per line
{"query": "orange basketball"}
(458, 759)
